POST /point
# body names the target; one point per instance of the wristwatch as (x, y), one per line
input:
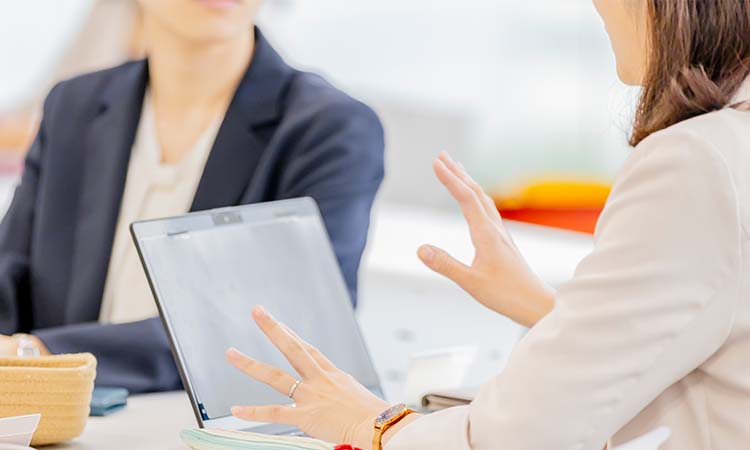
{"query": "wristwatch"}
(27, 348)
(386, 420)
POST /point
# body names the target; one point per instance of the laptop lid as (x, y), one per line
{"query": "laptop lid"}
(208, 269)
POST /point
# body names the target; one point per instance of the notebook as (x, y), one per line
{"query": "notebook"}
(208, 439)
(437, 400)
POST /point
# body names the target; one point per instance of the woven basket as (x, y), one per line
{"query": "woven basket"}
(57, 387)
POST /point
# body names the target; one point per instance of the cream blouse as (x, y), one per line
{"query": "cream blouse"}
(152, 190)
(654, 328)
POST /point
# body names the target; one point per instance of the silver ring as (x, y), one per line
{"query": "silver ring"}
(294, 389)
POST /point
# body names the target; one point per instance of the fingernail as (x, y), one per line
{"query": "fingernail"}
(426, 253)
(261, 311)
(232, 352)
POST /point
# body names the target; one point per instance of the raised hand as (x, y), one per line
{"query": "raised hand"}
(498, 277)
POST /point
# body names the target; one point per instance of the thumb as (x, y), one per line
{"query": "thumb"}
(441, 262)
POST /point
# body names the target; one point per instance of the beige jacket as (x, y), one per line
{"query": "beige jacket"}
(654, 328)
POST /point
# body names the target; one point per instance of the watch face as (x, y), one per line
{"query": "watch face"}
(390, 413)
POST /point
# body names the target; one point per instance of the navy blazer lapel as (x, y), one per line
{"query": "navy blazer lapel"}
(108, 142)
(237, 147)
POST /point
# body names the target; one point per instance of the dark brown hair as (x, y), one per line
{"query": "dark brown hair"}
(699, 54)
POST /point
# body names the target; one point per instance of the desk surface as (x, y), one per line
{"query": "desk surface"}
(149, 422)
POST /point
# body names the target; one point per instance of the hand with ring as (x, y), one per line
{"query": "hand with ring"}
(329, 403)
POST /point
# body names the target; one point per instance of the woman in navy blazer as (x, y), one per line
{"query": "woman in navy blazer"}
(284, 134)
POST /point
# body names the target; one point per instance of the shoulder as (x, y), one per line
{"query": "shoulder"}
(71, 98)
(706, 146)
(716, 138)
(313, 100)
(707, 153)
(331, 133)
(689, 173)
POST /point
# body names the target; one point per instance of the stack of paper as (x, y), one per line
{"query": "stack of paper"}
(18, 430)
(239, 440)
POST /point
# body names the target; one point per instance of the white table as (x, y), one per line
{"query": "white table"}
(153, 422)
(149, 422)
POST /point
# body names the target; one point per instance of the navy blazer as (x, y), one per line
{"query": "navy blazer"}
(285, 134)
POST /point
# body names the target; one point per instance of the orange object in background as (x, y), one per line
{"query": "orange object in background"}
(17, 131)
(570, 205)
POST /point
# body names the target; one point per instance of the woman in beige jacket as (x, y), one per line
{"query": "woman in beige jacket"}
(653, 329)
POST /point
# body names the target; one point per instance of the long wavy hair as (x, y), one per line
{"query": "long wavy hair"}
(699, 55)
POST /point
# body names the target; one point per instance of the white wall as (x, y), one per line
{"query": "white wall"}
(33, 37)
(514, 89)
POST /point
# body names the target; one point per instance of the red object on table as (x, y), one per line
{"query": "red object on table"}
(581, 219)
(345, 447)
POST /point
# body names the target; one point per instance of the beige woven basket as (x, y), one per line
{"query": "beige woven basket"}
(57, 387)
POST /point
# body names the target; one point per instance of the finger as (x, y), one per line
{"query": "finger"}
(266, 374)
(285, 415)
(471, 207)
(291, 348)
(316, 354)
(487, 201)
(441, 262)
(459, 170)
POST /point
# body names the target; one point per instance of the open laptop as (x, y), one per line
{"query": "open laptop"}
(208, 269)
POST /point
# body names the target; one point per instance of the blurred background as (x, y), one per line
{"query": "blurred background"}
(525, 94)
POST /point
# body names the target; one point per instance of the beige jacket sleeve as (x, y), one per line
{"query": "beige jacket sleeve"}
(651, 303)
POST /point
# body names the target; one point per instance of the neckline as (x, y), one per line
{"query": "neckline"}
(150, 151)
(204, 139)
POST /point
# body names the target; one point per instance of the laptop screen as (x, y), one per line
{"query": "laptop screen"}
(209, 269)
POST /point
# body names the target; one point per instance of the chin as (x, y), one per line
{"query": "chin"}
(198, 23)
(212, 31)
